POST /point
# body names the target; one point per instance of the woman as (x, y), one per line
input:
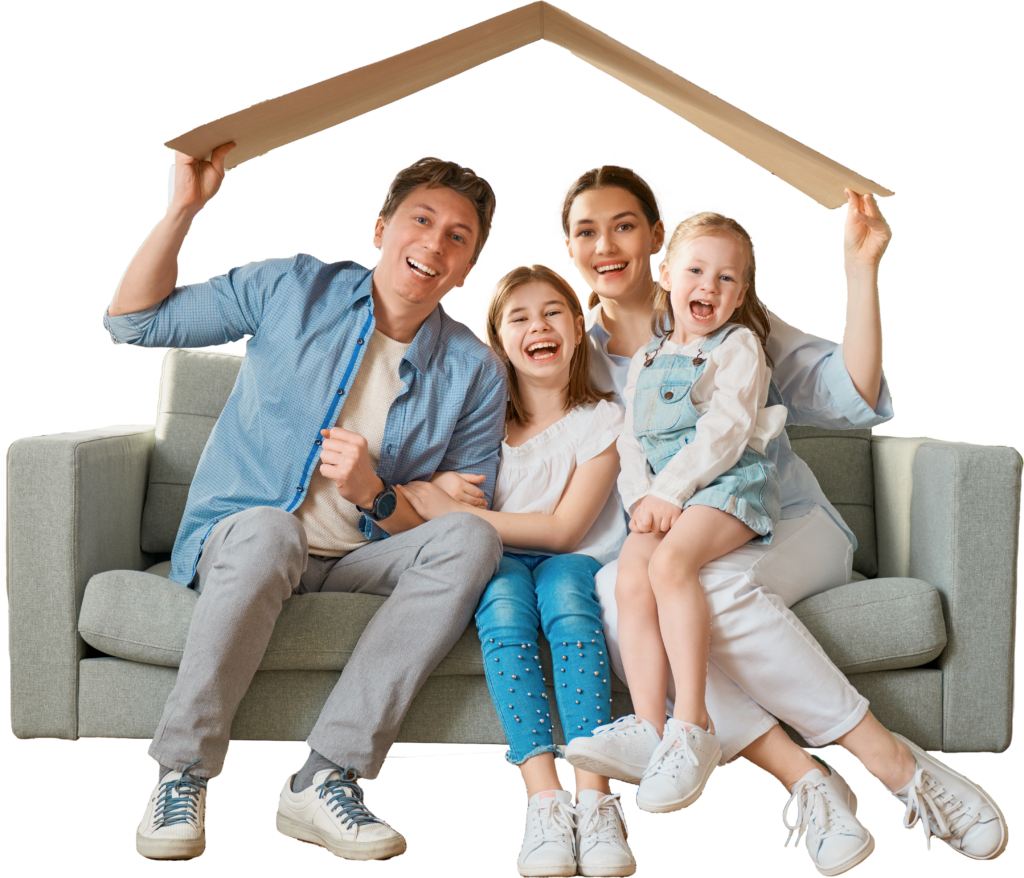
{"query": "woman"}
(612, 226)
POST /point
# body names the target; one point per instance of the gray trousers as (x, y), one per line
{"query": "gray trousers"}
(253, 561)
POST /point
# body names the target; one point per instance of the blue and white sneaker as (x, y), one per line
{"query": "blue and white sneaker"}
(173, 826)
(330, 812)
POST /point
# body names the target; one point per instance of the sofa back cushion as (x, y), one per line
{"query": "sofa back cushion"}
(195, 386)
(841, 462)
(193, 389)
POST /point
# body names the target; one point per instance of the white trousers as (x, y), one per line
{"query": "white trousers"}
(763, 663)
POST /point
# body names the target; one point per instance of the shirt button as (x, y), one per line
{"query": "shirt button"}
(299, 489)
(319, 441)
(359, 341)
(669, 395)
(340, 391)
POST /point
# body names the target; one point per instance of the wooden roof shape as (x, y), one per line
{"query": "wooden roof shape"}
(279, 121)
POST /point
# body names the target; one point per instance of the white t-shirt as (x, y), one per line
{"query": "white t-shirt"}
(532, 476)
(729, 396)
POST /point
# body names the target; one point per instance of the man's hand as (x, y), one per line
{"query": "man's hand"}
(345, 460)
(428, 500)
(653, 515)
(462, 487)
(197, 181)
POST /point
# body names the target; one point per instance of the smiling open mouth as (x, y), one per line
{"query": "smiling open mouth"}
(702, 310)
(543, 350)
(606, 269)
(420, 269)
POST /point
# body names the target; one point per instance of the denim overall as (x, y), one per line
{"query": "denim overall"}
(664, 420)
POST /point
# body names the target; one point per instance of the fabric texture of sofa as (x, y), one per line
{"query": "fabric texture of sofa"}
(97, 630)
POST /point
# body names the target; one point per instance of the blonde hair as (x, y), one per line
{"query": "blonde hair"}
(752, 313)
(579, 390)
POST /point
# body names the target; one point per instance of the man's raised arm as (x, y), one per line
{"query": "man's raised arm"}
(153, 272)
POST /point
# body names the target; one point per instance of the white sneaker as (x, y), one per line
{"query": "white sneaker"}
(827, 810)
(173, 826)
(549, 844)
(621, 749)
(601, 847)
(330, 812)
(678, 769)
(952, 808)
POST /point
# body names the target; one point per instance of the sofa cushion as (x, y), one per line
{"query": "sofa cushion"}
(864, 626)
(193, 389)
(877, 624)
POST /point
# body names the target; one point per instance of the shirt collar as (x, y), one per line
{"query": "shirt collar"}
(421, 348)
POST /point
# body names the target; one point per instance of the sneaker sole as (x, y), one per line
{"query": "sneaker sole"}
(918, 752)
(350, 850)
(169, 848)
(564, 871)
(607, 871)
(686, 801)
(596, 762)
(858, 858)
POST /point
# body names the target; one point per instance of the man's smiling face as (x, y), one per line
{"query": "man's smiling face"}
(425, 248)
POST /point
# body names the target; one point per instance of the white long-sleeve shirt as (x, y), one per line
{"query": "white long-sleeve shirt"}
(816, 389)
(729, 395)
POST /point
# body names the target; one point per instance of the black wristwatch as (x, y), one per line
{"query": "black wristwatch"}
(384, 504)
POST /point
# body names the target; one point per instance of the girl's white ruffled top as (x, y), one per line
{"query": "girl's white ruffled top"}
(533, 476)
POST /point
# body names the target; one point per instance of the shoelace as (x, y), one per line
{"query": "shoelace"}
(598, 820)
(622, 724)
(178, 800)
(345, 799)
(666, 756)
(814, 807)
(932, 804)
(555, 821)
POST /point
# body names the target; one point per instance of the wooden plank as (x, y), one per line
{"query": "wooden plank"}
(809, 171)
(280, 121)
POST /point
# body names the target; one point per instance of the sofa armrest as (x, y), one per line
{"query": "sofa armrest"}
(74, 507)
(949, 514)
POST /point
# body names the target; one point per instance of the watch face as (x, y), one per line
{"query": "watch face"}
(385, 505)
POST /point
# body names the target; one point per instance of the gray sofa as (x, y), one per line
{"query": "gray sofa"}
(96, 630)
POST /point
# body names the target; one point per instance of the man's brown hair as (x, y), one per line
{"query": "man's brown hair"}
(579, 390)
(435, 172)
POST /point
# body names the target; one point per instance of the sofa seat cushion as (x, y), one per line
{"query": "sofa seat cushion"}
(877, 624)
(145, 617)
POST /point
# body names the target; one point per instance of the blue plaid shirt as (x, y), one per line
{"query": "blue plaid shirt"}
(308, 322)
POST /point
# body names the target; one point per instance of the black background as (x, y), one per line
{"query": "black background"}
(529, 120)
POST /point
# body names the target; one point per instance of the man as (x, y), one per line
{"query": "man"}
(353, 381)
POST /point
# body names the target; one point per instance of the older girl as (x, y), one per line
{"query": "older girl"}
(560, 519)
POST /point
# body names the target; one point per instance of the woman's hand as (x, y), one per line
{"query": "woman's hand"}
(867, 233)
(462, 487)
(428, 500)
(653, 515)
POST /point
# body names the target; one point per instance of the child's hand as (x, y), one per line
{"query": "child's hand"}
(867, 233)
(462, 487)
(653, 515)
(428, 500)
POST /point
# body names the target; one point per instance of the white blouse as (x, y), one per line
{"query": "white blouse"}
(532, 476)
(729, 396)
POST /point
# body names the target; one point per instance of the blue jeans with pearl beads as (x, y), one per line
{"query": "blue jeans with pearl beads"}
(554, 594)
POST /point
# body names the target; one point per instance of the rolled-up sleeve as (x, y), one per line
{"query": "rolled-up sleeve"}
(222, 309)
(815, 385)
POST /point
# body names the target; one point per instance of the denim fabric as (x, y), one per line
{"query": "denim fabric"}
(554, 593)
(308, 322)
(665, 420)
